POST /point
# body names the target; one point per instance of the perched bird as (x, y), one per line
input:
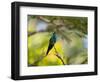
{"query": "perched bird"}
(52, 41)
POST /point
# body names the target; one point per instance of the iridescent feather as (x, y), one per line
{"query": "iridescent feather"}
(52, 41)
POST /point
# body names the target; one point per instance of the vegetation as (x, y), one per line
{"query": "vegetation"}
(69, 47)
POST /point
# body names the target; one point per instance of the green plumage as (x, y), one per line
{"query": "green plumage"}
(52, 41)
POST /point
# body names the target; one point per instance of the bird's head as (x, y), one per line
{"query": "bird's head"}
(54, 36)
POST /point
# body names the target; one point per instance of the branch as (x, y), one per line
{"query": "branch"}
(59, 56)
(32, 33)
(38, 60)
(42, 57)
(49, 23)
(43, 19)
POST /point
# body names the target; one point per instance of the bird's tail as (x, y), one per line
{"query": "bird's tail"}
(47, 52)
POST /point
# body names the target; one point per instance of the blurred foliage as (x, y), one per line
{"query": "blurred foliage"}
(70, 32)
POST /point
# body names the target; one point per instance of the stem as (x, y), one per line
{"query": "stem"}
(47, 21)
(43, 19)
(60, 59)
(41, 58)
(32, 33)
(38, 60)
(59, 56)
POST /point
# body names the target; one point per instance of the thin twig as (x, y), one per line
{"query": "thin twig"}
(60, 59)
(32, 33)
(59, 56)
(43, 19)
(41, 58)
(47, 21)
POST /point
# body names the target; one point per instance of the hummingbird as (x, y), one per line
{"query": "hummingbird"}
(52, 41)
